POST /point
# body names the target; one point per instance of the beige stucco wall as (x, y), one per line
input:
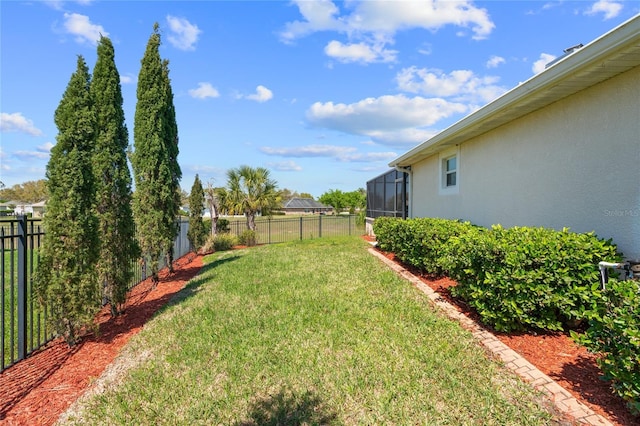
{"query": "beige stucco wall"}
(575, 164)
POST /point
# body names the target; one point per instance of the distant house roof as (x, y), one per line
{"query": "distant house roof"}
(304, 203)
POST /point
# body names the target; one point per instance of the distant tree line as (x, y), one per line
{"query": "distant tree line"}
(32, 191)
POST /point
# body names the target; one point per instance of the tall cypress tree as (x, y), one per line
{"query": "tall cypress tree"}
(156, 199)
(66, 279)
(197, 233)
(175, 173)
(113, 180)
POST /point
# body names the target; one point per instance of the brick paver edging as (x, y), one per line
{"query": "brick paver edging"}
(562, 400)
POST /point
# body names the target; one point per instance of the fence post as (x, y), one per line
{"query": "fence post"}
(22, 286)
(320, 226)
(300, 228)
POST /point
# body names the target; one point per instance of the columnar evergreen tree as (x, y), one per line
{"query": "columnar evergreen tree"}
(175, 174)
(155, 157)
(249, 191)
(197, 233)
(113, 181)
(66, 279)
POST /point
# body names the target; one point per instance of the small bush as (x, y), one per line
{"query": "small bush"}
(523, 278)
(248, 238)
(386, 231)
(614, 332)
(220, 242)
(224, 242)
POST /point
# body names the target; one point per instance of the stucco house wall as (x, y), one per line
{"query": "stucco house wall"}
(574, 163)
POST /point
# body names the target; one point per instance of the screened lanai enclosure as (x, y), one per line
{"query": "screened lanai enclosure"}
(387, 195)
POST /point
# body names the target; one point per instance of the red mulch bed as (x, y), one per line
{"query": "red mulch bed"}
(40, 388)
(555, 354)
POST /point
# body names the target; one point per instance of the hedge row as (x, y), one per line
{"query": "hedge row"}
(531, 278)
(516, 279)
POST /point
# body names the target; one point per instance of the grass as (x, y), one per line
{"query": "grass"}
(309, 332)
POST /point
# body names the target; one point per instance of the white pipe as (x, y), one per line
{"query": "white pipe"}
(604, 273)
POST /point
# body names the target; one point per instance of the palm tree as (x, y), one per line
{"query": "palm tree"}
(249, 191)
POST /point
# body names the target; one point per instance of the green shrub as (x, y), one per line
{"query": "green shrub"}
(386, 231)
(418, 242)
(614, 332)
(220, 242)
(224, 242)
(248, 238)
(522, 278)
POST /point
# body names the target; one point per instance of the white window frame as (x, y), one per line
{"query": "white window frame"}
(443, 157)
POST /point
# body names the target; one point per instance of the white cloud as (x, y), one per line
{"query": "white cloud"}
(184, 34)
(309, 151)
(609, 8)
(391, 120)
(262, 94)
(41, 152)
(494, 61)
(204, 91)
(359, 52)
(285, 166)
(30, 155)
(387, 17)
(16, 122)
(83, 29)
(202, 170)
(460, 85)
(318, 16)
(540, 64)
(127, 78)
(45, 148)
(339, 153)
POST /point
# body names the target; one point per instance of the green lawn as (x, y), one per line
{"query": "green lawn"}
(308, 332)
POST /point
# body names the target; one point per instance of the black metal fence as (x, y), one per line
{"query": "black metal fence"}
(23, 322)
(282, 229)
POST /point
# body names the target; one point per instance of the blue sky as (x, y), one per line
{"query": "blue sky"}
(324, 94)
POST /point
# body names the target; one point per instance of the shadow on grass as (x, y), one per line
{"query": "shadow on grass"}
(194, 284)
(289, 408)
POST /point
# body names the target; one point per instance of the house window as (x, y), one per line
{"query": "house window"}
(449, 171)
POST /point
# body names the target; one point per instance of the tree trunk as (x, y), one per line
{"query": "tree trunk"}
(251, 221)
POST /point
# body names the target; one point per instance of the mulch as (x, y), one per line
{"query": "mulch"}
(41, 387)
